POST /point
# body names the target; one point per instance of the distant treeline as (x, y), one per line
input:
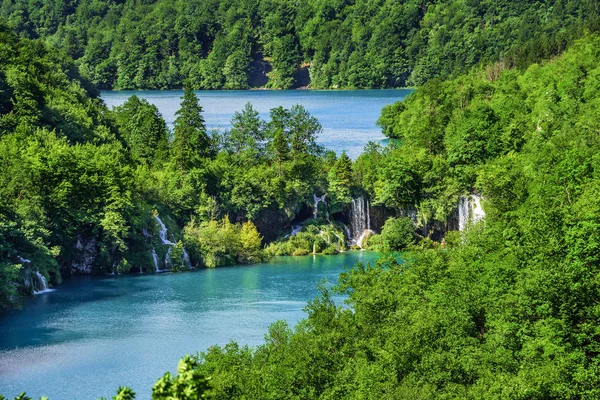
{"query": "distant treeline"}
(227, 44)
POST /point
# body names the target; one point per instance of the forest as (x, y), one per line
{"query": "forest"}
(225, 44)
(507, 308)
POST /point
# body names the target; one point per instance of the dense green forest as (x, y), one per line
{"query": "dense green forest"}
(84, 189)
(214, 44)
(508, 308)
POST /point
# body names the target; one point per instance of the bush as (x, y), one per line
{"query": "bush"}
(220, 243)
(397, 234)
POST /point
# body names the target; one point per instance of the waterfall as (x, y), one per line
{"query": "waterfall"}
(348, 234)
(361, 239)
(368, 216)
(316, 205)
(360, 220)
(168, 258)
(295, 229)
(186, 259)
(40, 284)
(155, 258)
(469, 211)
(162, 232)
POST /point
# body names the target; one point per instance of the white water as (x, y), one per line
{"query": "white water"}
(155, 258)
(168, 258)
(360, 241)
(316, 205)
(186, 258)
(469, 211)
(360, 220)
(348, 233)
(295, 229)
(162, 232)
(40, 285)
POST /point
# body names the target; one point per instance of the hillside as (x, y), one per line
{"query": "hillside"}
(224, 44)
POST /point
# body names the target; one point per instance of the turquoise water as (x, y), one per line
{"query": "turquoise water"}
(348, 117)
(91, 335)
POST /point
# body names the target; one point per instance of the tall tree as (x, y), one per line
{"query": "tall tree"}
(340, 181)
(191, 141)
(143, 129)
(247, 134)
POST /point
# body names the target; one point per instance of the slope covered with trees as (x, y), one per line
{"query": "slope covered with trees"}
(216, 44)
(87, 190)
(508, 309)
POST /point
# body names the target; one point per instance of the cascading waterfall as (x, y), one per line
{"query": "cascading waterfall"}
(348, 233)
(162, 232)
(469, 211)
(186, 258)
(155, 258)
(168, 258)
(36, 281)
(360, 220)
(316, 206)
(295, 229)
(40, 285)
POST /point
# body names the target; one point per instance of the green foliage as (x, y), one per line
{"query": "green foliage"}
(220, 243)
(340, 183)
(191, 141)
(144, 130)
(396, 235)
(188, 384)
(230, 44)
(314, 238)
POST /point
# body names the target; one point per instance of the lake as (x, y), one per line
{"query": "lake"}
(92, 335)
(348, 117)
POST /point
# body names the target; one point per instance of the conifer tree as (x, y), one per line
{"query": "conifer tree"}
(191, 141)
(340, 180)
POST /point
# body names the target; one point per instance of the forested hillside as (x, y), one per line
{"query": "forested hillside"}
(225, 44)
(87, 190)
(508, 309)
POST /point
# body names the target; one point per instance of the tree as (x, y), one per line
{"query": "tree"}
(246, 137)
(251, 243)
(188, 384)
(340, 181)
(279, 149)
(143, 129)
(191, 141)
(397, 233)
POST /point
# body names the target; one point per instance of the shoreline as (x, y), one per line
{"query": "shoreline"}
(261, 89)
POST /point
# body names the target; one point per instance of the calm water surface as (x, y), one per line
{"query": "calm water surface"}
(348, 117)
(91, 335)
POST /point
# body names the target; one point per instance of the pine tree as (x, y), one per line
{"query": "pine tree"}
(340, 180)
(280, 148)
(191, 142)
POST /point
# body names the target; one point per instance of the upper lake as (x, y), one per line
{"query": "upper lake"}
(90, 336)
(348, 117)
